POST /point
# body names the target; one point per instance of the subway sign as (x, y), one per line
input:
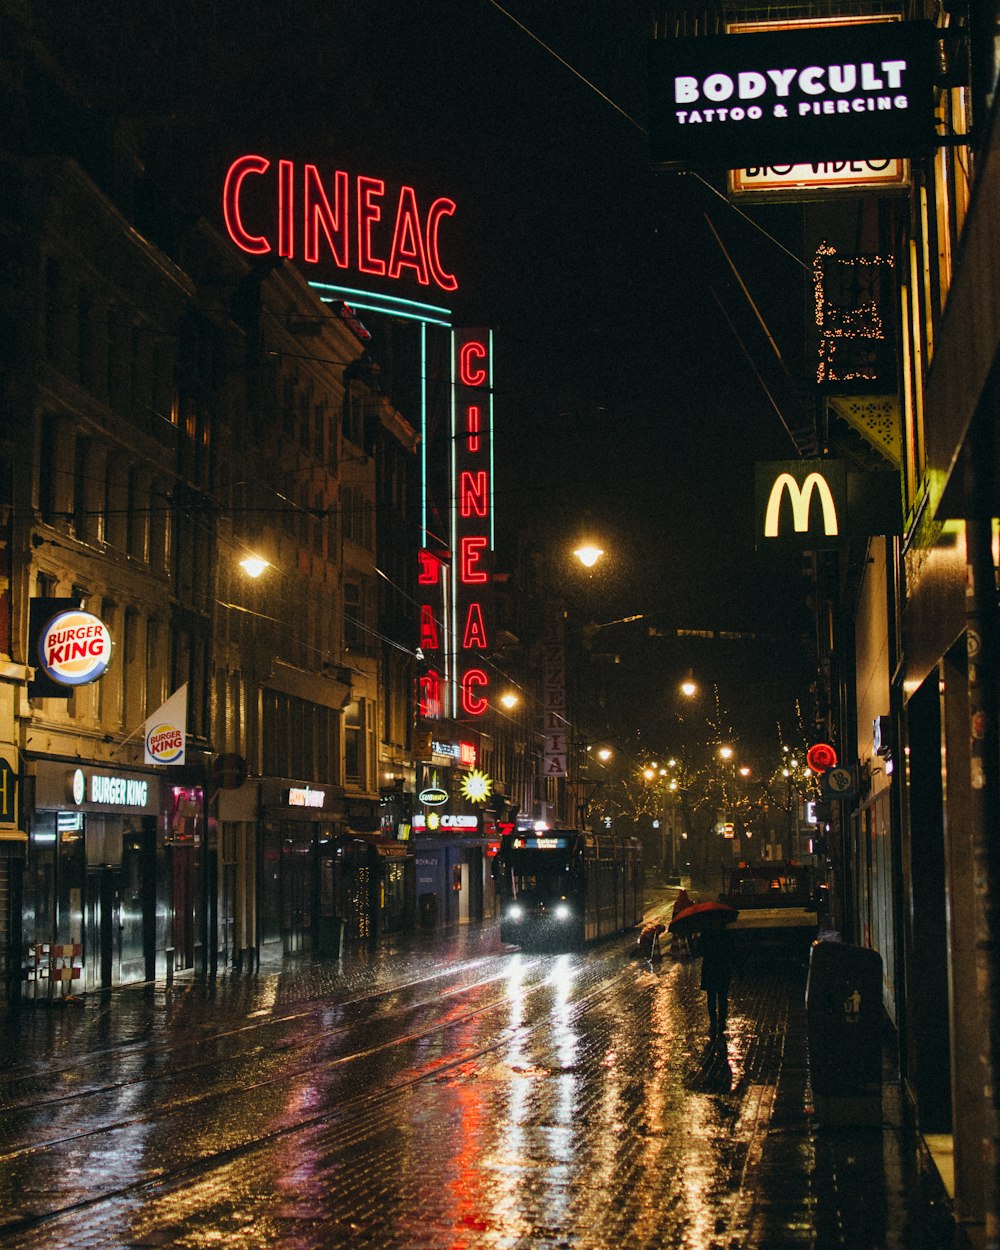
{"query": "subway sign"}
(834, 93)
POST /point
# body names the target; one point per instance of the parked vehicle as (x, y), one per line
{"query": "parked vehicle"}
(777, 902)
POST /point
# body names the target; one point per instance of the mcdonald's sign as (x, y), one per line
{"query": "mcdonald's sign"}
(819, 503)
(802, 502)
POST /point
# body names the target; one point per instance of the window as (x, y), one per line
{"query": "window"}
(85, 341)
(352, 743)
(353, 609)
(53, 308)
(80, 465)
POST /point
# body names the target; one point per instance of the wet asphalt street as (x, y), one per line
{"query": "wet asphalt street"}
(446, 1093)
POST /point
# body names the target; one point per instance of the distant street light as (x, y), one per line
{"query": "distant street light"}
(689, 687)
(604, 754)
(509, 700)
(726, 753)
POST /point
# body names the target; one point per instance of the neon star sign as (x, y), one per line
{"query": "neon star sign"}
(476, 786)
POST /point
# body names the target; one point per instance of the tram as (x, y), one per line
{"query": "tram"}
(563, 887)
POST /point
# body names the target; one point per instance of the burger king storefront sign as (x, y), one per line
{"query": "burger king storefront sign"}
(74, 648)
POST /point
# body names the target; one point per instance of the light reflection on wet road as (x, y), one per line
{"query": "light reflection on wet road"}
(497, 1100)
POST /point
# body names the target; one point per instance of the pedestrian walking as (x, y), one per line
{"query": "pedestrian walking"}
(717, 949)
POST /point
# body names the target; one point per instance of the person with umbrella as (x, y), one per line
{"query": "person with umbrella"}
(717, 949)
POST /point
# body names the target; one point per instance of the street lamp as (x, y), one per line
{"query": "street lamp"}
(253, 565)
(509, 700)
(588, 554)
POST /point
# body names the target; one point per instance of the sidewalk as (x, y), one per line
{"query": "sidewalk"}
(815, 1184)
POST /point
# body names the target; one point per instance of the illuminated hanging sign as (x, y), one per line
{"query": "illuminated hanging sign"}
(301, 213)
(433, 797)
(74, 648)
(818, 503)
(819, 179)
(821, 756)
(555, 750)
(801, 499)
(831, 93)
(304, 796)
(472, 514)
(433, 583)
(476, 786)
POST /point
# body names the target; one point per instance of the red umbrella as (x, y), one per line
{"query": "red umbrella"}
(692, 917)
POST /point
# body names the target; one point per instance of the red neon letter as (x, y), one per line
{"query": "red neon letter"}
(428, 629)
(472, 425)
(255, 244)
(471, 702)
(407, 241)
(440, 208)
(368, 214)
(468, 374)
(473, 493)
(430, 569)
(319, 213)
(429, 704)
(475, 629)
(286, 199)
(471, 550)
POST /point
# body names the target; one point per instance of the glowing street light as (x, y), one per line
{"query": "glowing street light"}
(604, 754)
(726, 753)
(509, 700)
(588, 555)
(254, 565)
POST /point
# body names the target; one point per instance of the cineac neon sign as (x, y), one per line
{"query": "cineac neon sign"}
(472, 512)
(347, 218)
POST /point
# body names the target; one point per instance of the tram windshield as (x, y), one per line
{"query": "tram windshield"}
(539, 867)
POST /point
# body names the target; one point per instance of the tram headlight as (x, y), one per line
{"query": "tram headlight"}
(562, 911)
(515, 911)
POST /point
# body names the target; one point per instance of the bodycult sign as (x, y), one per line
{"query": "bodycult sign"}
(829, 94)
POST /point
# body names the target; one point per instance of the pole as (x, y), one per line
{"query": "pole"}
(981, 643)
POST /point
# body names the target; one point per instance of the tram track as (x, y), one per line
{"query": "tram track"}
(21, 1074)
(256, 1029)
(357, 1107)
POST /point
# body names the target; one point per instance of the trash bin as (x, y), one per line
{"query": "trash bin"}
(428, 910)
(844, 1020)
(331, 937)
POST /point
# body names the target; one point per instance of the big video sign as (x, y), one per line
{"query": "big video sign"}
(833, 93)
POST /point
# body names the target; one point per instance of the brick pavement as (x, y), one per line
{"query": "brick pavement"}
(529, 1146)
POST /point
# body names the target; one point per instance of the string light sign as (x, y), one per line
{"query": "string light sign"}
(304, 214)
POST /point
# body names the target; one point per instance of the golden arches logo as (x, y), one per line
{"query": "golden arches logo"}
(801, 497)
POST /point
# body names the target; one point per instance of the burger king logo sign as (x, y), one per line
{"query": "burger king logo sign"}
(165, 744)
(74, 648)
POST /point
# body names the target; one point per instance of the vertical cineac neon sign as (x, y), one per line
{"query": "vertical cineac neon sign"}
(472, 532)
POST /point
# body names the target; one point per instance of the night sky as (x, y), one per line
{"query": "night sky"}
(625, 402)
